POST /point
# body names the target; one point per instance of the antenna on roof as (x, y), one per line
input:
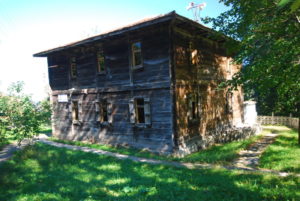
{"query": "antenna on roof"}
(196, 8)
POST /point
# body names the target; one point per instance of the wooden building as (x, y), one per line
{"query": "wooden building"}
(149, 85)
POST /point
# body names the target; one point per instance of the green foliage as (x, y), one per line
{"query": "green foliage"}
(20, 117)
(42, 172)
(269, 48)
(284, 153)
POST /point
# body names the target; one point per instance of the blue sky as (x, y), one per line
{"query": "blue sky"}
(30, 26)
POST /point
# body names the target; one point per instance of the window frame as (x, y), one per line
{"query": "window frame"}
(229, 102)
(73, 67)
(194, 107)
(101, 109)
(134, 66)
(100, 53)
(139, 111)
(76, 111)
(134, 112)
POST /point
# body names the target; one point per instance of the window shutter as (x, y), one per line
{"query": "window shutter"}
(72, 110)
(70, 106)
(97, 108)
(109, 112)
(132, 111)
(229, 102)
(199, 109)
(190, 107)
(80, 111)
(147, 111)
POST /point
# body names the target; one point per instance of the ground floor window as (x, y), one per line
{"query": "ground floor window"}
(75, 110)
(229, 102)
(102, 111)
(139, 109)
(194, 106)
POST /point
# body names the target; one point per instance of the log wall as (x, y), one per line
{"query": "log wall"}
(117, 86)
(200, 66)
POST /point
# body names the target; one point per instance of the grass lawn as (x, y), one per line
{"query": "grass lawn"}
(42, 172)
(2, 144)
(284, 153)
(217, 154)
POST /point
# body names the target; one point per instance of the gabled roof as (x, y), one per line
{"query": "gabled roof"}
(131, 27)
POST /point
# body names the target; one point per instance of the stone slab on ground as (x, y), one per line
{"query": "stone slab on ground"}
(249, 158)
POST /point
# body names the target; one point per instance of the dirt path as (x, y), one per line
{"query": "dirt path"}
(8, 151)
(249, 158)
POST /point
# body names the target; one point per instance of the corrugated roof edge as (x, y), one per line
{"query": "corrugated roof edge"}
(130, 27)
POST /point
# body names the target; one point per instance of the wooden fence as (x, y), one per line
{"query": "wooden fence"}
(278, 120)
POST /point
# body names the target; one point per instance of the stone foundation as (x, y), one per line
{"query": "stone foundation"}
(223, 134)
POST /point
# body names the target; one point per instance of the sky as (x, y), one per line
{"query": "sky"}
(31, 26)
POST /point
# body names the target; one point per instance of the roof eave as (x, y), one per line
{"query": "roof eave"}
(164, 18)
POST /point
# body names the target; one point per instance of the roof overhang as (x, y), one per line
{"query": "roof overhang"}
(141, 24)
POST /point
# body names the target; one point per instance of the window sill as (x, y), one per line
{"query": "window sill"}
(76, 123)
(194, 121)
(142, 125)
(140, 67)
(104, 124)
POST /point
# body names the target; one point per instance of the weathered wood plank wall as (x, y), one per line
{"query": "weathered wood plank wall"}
(200, 66)
(117, 87)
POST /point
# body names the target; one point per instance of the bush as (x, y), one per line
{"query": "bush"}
(20, 117)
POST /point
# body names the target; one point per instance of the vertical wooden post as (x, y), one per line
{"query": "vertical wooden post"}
(291, 120)
(272, 119)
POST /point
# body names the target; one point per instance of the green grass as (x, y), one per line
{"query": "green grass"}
(46, 129)
(116, 149)
(220, 154)
(2, 144)
(217, 154)
(42, 172)
(284, 153)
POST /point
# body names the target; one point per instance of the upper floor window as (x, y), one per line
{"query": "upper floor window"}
(139, 109)
(194, 57)
(100, 62)
(136, 49)
(229, 66)
(73, 67)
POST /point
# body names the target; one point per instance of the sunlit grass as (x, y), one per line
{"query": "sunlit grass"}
(43, 172)
(217, 154)
(284, 153)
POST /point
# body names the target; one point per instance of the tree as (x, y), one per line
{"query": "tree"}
(20, 117)
(268, 48)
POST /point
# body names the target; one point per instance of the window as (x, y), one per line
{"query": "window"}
(194, 107)
(102, 111)
(101, 62)
(136, 49)
(229, 102)
(73, 67)
(75, 111)
(194, 57)
(229, 66)
(139, 109)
